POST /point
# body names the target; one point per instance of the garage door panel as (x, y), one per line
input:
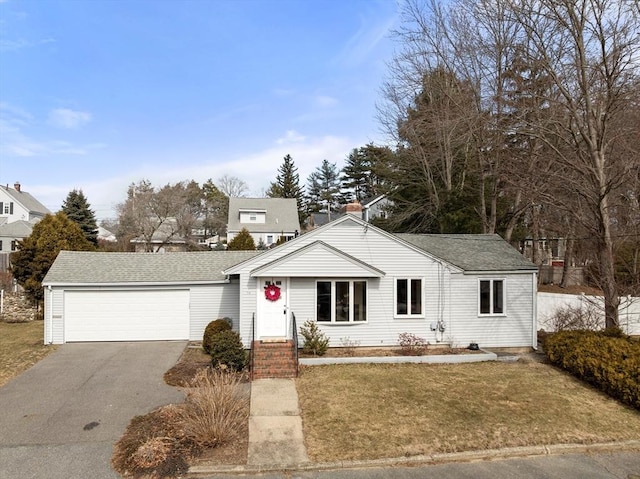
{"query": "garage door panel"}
(126, 315)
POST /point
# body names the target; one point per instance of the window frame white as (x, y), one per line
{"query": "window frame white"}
(492, 312)
(351, 282)
(409, 315)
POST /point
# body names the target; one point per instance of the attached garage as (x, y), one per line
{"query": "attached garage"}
(100, 296)
(126, 315)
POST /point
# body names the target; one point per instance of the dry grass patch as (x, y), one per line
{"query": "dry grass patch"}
(21, 346)
(190, 363)
(372, 411)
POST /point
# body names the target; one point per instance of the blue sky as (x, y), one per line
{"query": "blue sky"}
(98, 94)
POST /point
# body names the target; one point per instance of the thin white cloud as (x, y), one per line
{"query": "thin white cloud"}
(7, 45)
(325, 101)
(291, 136)
(363, 42)
(68, 119)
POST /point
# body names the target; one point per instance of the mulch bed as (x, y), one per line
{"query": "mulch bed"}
(385, 352)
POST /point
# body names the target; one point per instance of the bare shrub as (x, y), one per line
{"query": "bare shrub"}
(154, 445)
(585, 317)
(412, 345)
(216, 407)
(151, 453)
(349, 345)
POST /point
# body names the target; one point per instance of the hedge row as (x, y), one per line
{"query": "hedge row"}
(612, 364)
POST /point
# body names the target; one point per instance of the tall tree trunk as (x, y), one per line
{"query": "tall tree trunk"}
(568, 258)
(607, 267)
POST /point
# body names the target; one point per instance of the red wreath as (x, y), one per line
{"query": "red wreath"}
(272, 292)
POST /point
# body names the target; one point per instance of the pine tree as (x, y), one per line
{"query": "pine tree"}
(37, 252)
(358, 181)
(323, 189)
(78, 210)
(287, 185)
(243, 241)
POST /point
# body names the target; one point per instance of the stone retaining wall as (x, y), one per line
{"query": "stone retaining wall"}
(16, 308)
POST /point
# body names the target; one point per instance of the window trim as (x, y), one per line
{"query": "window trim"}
(395, 297)
(491, 306)
(333, 282)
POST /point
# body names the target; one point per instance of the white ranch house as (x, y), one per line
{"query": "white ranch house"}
(355, 280)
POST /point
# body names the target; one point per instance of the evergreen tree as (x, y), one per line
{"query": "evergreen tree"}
(78, 210)
(37, 252)
(358, 179)
(287, 185)
(323, 189)
(243, 241)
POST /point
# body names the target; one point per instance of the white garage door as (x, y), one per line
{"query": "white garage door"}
(126, 315)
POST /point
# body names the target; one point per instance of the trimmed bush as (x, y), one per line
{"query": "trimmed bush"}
(612, 364)
(315, 341)
(227, 351)
(213, 329)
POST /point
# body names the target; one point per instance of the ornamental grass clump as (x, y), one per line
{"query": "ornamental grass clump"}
(216, 408)
(608, 361)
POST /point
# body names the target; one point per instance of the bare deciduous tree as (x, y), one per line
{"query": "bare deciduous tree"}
(232, 186)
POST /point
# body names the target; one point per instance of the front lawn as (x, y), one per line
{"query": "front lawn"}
(361, 411)
(21, 346)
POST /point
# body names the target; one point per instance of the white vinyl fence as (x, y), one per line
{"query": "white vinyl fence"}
(628, 311)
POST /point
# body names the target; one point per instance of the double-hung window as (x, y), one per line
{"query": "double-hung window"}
(492, 297)
(341, 301)
(408, 298)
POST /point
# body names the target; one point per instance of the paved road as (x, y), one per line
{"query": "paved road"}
(59, 419)
(619, 465)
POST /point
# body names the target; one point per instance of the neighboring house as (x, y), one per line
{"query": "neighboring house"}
(11, 233)
(106, 235)
(375, 207)
(316, 220)
(19, 211)
(165, 239)
(18, 205)
(266, 219)
(354, 280)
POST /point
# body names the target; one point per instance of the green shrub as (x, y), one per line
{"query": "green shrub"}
(315, 341)
(212, 329)
(612, 364)
(227, 351)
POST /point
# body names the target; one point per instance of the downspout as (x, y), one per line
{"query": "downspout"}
(534, 308)
(49, 339)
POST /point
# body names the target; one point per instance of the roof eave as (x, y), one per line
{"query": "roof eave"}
(134, 283)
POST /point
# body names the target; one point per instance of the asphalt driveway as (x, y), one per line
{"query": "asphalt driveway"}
(60, 418)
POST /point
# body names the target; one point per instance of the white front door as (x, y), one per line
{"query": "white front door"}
(272, 310)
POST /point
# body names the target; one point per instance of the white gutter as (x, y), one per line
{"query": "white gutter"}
(165, 283)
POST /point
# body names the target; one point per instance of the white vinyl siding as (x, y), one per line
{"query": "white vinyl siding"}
(126, 315)
(513, 329)
(213, 302)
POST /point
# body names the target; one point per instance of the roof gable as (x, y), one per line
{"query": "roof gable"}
(27, 201)
(281, 214)
(322, 259)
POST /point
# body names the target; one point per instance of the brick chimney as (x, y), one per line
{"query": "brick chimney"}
(16, 185)
(354, 208)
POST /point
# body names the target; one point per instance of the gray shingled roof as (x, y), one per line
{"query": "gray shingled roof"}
(472, 252)
(28, 201)
(282, 214)
(16, 229)
(83, 267)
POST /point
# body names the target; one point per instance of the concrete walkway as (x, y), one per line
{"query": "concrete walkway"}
(275, 425)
